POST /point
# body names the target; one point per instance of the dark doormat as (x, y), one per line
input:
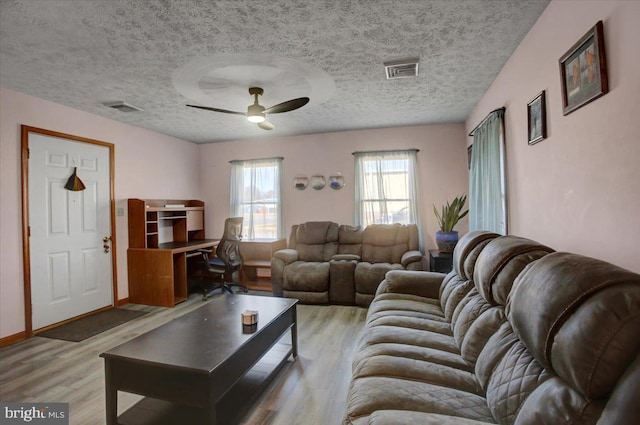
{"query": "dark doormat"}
(84, 328)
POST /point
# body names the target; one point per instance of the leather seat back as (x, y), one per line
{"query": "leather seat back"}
(350, 240)
(572, 330)
(315, 240)
(458, 283)
(481, 312)
(386, 243)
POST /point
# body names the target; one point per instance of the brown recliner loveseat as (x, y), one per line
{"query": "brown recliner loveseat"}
(340, 264)
(516, 334)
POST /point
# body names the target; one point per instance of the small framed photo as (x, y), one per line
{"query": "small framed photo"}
(583, 71)
(537, 118)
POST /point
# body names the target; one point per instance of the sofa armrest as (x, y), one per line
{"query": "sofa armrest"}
(410, 257)
(287, 255)
(279, 261)
(423, 284)
(345, 257)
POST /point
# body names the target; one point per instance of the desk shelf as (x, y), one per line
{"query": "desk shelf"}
(160, 234)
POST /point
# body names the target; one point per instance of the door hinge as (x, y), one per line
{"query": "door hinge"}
(29, 231)
(28, 153)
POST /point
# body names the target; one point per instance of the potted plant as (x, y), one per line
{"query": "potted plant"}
(451, 213)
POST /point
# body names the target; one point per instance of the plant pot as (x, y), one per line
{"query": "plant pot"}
(446, 241)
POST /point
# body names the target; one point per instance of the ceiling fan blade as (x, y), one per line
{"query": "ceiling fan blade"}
(266, 125)
(206, 108)
(287, 106)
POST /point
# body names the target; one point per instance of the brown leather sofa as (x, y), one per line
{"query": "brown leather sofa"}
(339, 264)
(515, 334)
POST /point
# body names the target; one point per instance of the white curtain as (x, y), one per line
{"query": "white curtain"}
(386, 188)
(256, 195)
(487, 188)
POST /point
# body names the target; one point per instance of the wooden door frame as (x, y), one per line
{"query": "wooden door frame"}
(26, 250)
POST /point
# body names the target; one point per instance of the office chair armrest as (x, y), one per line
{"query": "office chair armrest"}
(288, 256)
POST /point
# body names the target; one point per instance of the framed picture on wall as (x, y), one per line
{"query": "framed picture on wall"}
(583, 71)
(537, 118)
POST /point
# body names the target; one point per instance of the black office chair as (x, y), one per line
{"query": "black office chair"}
(228, 259)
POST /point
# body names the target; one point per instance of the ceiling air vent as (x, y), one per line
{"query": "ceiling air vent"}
(401, 69)
(122, 106)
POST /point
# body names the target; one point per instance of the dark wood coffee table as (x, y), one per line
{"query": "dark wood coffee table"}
(201, 368)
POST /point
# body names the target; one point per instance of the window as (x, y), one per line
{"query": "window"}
(255, 196)
(386, 187)
(487, 188)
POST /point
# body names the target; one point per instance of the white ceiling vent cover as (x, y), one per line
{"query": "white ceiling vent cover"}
(401, 69)
(123, 106)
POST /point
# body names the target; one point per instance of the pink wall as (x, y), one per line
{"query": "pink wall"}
(147, 165)
(579, 189)
(442, 163)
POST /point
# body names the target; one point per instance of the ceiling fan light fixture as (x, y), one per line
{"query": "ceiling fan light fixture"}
(255, 113)
(256, 118)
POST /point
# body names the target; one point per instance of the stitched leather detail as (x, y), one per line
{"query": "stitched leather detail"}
(470, 312)
(458, 308)
(455, 298)
(516, 376)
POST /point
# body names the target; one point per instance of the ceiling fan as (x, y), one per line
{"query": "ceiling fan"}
(257, 113)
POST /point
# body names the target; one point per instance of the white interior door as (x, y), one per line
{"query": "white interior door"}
(71, 274)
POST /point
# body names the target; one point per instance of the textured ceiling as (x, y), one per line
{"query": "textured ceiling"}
(81, 53)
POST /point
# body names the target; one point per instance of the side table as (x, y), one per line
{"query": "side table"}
(440, 261)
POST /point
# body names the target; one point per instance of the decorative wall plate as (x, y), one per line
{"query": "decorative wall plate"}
(300, 182)
(317, 182)
(336, 181)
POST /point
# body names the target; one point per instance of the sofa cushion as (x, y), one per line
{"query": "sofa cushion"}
(424, 284)
(410, 322)
(454, 290)
(369, 275)
(467, 250)
(500, 262)
(579, 317)
(316, 240)
(306, 276)
(417, 370)
(406, 417)
(407, 336)
(474, 306)
(479, 333)
(370, 394)
(407, 307)
(553, 402)
(412, 352)
(514, 378)
(350, 240)
(385, 243)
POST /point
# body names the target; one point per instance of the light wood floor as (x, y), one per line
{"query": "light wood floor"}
(310, 391)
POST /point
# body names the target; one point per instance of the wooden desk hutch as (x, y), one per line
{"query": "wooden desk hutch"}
(162, 233)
